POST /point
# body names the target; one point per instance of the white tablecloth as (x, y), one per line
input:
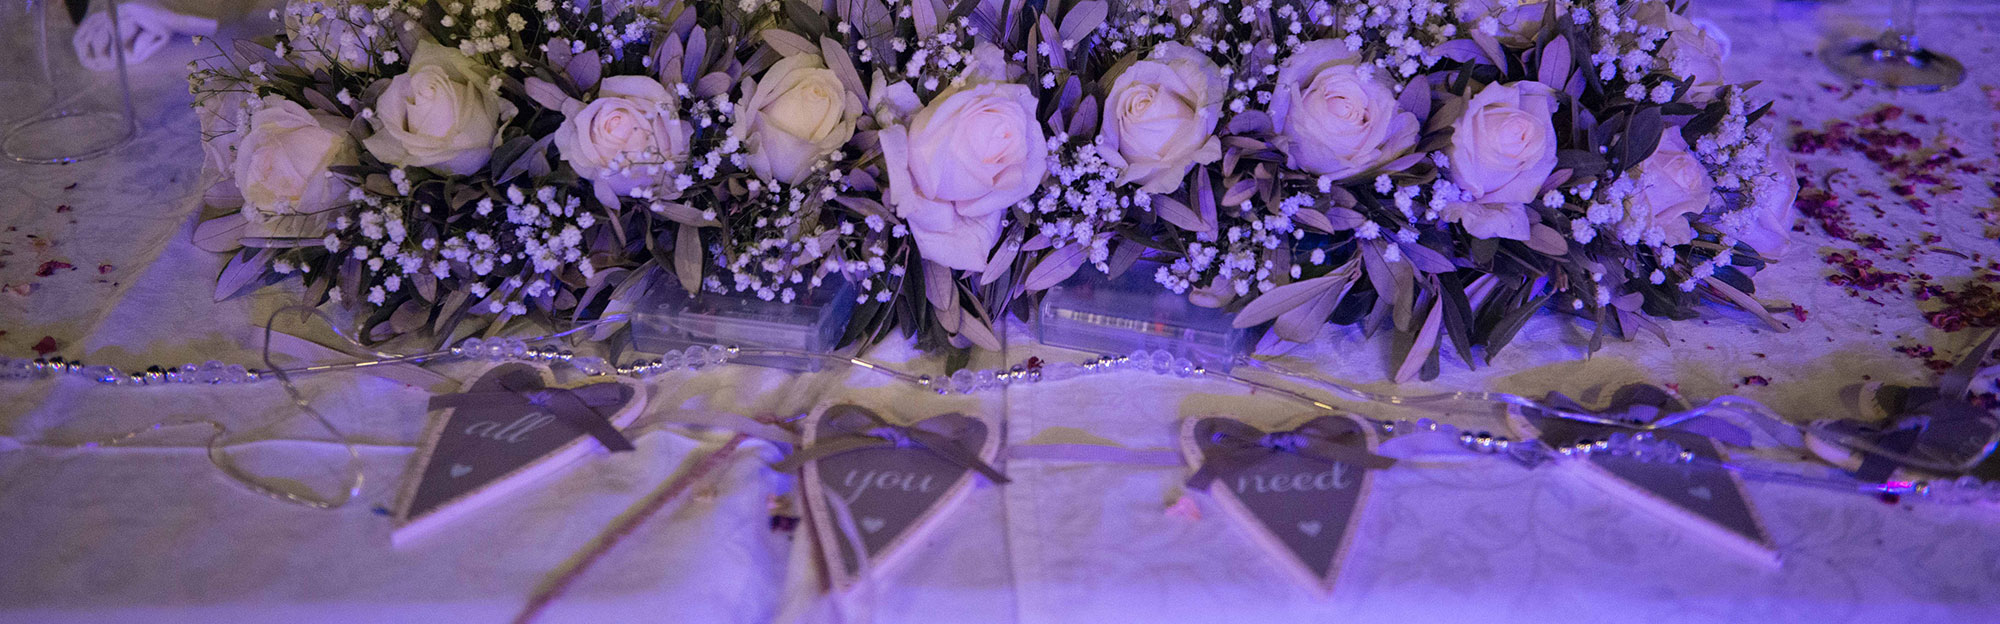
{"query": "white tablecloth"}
(149, 531)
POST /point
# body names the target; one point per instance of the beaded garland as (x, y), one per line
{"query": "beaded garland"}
(1639, 445)
(210, 372)
(215, 372)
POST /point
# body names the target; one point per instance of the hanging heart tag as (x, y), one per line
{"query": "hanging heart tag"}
(873, 486)
(1703, 498)
(1299, 493)
(514, 424)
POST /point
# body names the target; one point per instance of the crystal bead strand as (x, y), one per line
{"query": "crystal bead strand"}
(495, 349)
(967, 381)
(210, 372)
(693, 359)
(505, 349)
(1641, 445)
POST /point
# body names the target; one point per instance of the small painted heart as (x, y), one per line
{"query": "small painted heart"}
(873, 503)
(459, 470)
(1310, 528)
(1708, 502)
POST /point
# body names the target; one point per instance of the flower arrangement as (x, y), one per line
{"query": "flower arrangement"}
(1440, 170)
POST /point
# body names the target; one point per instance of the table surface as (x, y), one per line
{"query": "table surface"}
(151, 531)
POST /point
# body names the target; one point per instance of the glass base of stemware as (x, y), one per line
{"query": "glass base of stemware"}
(25, 98)
(1891, 67)
(67, 137)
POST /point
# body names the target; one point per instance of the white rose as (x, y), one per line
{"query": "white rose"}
(282, 169)
(1218, 293)
(224, 118)
(959, 164)
(1668, 185)
(1160, 116)
(1333, 120)
(1774, 206)
(443, 113)
(1517, 24)
(1503, 147)
(797, 115)
(625, 139)
(1690, 51)
(322, 36)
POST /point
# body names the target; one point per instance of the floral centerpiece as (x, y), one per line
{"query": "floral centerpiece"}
(1435, 170)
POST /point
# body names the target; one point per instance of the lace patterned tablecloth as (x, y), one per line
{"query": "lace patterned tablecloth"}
(152, 532)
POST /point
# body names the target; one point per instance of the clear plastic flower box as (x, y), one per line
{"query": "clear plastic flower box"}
(1116, 316)
(668, 318)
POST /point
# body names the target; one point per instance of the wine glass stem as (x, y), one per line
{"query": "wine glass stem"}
(1902, 33)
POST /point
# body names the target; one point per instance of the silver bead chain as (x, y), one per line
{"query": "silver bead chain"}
(210, 372)
(215, 372)
(1641, 445)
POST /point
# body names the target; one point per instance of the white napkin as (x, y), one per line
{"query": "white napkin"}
(145, 29)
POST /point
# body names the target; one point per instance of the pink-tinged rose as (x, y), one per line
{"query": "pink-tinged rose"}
(959, 164)
(794, 117)
(1690, 51)
(1335, 119)
(444, 113)
(1160, 117)
(1503, 147)
(624, 139)
(1773, 205)
(283, 166)
(1509, 221)
(1669, 186)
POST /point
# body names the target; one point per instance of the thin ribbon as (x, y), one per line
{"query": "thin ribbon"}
(865, 429)
(1095, 453)
(1911, 438)
(1327, 438)
(1728, 419)
(625, 524)
(579, 408)
(221, 461)
(1757, 424)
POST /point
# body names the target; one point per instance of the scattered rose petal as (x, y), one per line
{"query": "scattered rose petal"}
(50, 268)
(1184, 508)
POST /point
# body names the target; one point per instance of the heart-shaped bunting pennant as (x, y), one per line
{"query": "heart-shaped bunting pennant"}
(512, 425)
(1702, 498)
(1299, 492)
(874, 486)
